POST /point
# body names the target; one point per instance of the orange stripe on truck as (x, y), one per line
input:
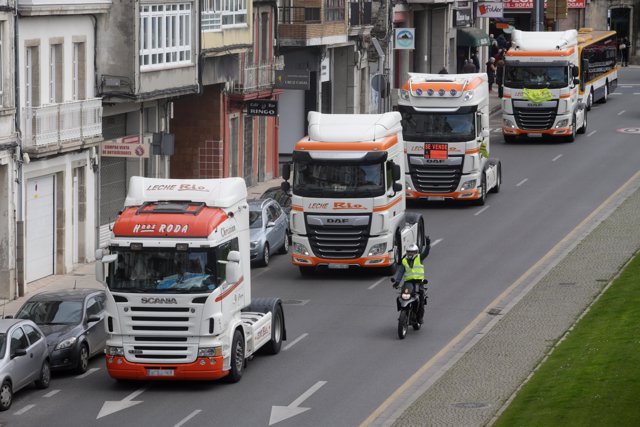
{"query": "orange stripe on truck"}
(564, 52)
(383, 145)
(314, 261)
(387, 206)
(447, 86)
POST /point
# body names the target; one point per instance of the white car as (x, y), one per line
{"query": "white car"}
(23, 358)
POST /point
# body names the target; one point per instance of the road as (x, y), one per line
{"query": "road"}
(342, 358)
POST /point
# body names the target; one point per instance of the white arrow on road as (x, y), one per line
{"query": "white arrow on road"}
(281, 413)
(109, 407)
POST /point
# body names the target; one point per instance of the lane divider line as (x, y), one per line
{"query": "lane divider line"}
(25, 409)
(294, 342)
(592, 132)
(481, 210)
(89, 372)
(378, 282)
(556, 157)
(52, 393)
(260, 273)
(522, 182)
(188, 417)
(622, 112)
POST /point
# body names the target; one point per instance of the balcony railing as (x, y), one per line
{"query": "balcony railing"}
(58, 123)
(360, 13)
(299, 15)
(255, 78)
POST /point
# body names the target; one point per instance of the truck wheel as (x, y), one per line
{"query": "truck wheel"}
(483, 191)
(590, 100)
(572, 136)
(583, 128)
(277, 328)
(265, 255)
(237, 358)
(496, 188)
(396, 256)
(605, 97)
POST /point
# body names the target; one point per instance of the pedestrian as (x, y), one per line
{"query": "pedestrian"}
(468, 66)
(476, 62)
(624, 51)
(500, 76)
(493, 50)
(491, 72)
(502, 41)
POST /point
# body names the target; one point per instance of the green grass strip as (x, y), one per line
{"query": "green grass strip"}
(593, 377)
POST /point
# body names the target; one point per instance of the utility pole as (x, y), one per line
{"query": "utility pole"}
(538, 15)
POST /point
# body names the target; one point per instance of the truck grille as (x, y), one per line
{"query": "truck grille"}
(436, 177)
(347, 241)
(161, 334)
(540, 118)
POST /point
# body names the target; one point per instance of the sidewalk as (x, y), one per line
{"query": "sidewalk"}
(83, 275)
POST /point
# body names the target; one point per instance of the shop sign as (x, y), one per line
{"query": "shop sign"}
(405, 38)
(462, 17)
(127, 146)
(528, 4)
(292, 80)
(490, 10)
(262, 107)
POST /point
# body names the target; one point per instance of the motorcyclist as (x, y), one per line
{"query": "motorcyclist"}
(411, 270)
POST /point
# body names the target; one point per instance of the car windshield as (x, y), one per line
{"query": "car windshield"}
(437, 127)
(52, 312)
(255, 219)
(538, 77)
(341, 179)
(164, 270)
(3, 344)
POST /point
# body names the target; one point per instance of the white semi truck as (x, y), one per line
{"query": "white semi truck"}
(348, 199)
(445, 123)
(178, 280)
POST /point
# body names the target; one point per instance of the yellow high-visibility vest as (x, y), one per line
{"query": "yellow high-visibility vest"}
(413, 273)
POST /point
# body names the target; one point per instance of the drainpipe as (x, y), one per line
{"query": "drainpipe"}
(19, 230)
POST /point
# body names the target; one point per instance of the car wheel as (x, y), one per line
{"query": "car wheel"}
(265, 255)
(45, 375)
(237, 358)
(6, 396)
(83, 359)
(285, 246)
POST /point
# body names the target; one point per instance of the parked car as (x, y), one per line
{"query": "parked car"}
(23, 358)
(73, 322)
(280, 196)
(269, 227)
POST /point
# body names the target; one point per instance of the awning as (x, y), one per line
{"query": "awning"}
(472, 37)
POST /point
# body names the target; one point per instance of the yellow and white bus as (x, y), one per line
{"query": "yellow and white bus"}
(597, 51)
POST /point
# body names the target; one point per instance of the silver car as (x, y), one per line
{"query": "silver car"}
(23, 358)
(269, 227)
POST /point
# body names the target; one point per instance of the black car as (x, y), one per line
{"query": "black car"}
(280, 196)
(73, 322)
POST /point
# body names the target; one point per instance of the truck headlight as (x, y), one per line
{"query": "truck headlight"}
(66, 343)
(404, 94)
(563, 123)
(377, 249)
(407, 184)
(300, 248)
(508, 123)
(114, 351)
(210, 351)
(469, 185)
(468, 95)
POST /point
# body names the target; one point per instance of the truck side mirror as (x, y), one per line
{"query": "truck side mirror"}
(397, 186)
(396, 172)
(575, 72)
(101, 266)
(285, 186)
(286, 171)
(233, 270)
(576, 81)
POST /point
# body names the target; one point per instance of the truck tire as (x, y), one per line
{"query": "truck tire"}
(237, 358)
(605, 97)
(583, 128)
(277, 332)
(572, 136)
(483, 191)
(496, 188)
(395, 257)
(590, 100)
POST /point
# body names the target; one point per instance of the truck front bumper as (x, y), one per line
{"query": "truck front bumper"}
(204, 368)
(462, 192)
(310, 260)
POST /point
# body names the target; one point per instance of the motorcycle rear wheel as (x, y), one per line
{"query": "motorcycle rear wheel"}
(403, 324)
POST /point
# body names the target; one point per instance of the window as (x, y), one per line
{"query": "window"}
(55, 74)
(33, 335)
(233, 141)
(222, 252)
(18, 340)
(217, 14)
(334, 10)
(32, 73)
(79, 72)
(1, 63)
(165, 35)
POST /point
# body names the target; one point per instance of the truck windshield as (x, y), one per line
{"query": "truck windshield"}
(538, 77)
(421, 126)
(338, 179)
(163, 270)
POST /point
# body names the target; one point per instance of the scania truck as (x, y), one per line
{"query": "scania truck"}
(178, 280)
(348, 199)
(445, 126)
(542, 89)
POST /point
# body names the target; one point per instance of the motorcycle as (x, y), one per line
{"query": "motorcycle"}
(408, 304)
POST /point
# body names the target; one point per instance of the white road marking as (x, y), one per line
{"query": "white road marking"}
(297, 340)
(52, 393)
(481, 210)
(625, 86)
(592, 132)
(436, 242)
(89, 372)
(281, 413)
(25, 409)
(615, 93)
(259, 273)
(377, 283)
(188, 417)
(556, 157)
(622, 112)
(497, 130)
(522, 182)
(636, 93)
(111, 406)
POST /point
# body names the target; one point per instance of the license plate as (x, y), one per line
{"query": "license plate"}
(160, 372)
(436, 151)
(534, 135)
(338, 266)
(436, 198)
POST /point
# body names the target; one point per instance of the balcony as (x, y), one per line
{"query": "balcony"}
(254, 78)
(311, 25)
(62, 127)
(63, 7)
